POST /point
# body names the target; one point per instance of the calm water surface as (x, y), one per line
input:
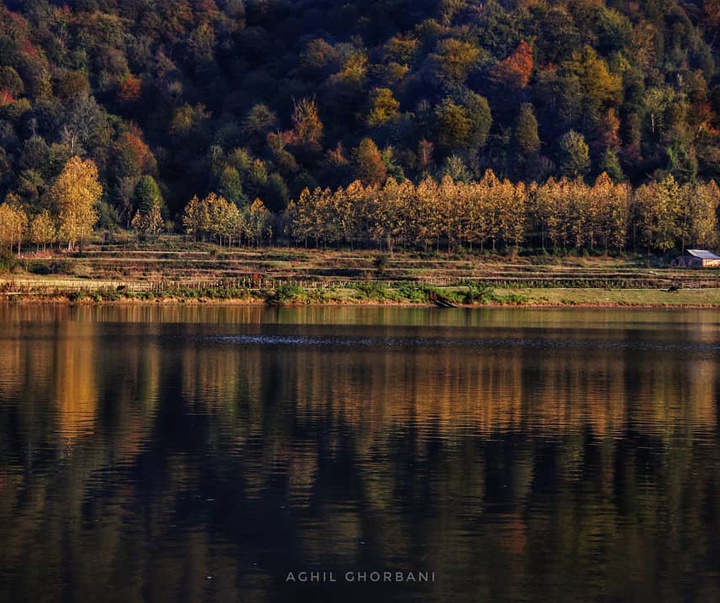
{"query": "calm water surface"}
(208, 453)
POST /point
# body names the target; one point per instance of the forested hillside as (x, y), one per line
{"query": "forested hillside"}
(263, 98)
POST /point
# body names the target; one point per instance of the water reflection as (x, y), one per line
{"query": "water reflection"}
(186, 454)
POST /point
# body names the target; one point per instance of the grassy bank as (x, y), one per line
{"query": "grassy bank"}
(175, 271)
(375, 293)
(487, 296)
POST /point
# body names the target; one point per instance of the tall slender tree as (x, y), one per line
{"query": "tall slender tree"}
(76, 195)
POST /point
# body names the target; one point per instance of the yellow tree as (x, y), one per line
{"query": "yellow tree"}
(535, 222)
(578, 214)
(357, 201)
(396, 198)
(490, 198)
(657, 207)
(13, 225)
(307, 127)
(613, 210)
(425, 216)
(369, 165)
(76, 194)
(476, 216)
(257, 221)
(548, 212)
(43, 230)
(387, 221)
(324, 224)
(223, 217)
(703, 223)
(515, 223)
(344, 213)
(195, 219)
(506, 209)
(562, 212)
(149, 223)
(300, 215)
(383, 107)
(229, 223)
(448, 206)
(453, 60)
(462, 213)
(618, 216)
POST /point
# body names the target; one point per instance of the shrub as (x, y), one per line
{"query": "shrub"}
(478, 293)
(7, 260)
(418, 293)
(78, 295)
(371, 290)
(287, 293)
(381, 263)
(107, 294)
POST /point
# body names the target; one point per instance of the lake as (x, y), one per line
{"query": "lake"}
(212, 453)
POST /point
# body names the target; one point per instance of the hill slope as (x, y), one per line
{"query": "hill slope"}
(264, 97)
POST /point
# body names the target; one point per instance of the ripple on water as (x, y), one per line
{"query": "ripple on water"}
(706, 349)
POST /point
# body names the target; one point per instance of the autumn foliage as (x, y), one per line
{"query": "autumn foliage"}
(515, 70)
(261, 100)
(76, 194)
(499, 214)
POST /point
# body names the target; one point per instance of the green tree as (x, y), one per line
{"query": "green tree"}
(478, 112)
(230, 186)
(456, 169)
(86, 126)
(600, 87)
(454, 59)
(575, 155)
(147, 195)
(452, 125)
(610, 164)
(526, 140)
(276, 193)
(11, 81)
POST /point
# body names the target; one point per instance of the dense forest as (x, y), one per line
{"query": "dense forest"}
(260, 99)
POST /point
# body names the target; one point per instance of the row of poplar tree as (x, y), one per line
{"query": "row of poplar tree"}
(558, 214)
(489, 213)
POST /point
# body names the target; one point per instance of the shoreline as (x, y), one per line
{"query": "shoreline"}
(245, 302)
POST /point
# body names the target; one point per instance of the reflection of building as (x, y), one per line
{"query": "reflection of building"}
(697, 258)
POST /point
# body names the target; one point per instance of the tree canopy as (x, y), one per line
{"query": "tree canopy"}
(173, 99)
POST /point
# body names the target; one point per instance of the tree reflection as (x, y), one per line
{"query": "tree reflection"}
(161, 461)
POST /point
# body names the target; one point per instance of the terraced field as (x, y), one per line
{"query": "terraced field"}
(163, 267)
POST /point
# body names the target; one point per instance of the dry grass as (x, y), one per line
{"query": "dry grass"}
(618, 297)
